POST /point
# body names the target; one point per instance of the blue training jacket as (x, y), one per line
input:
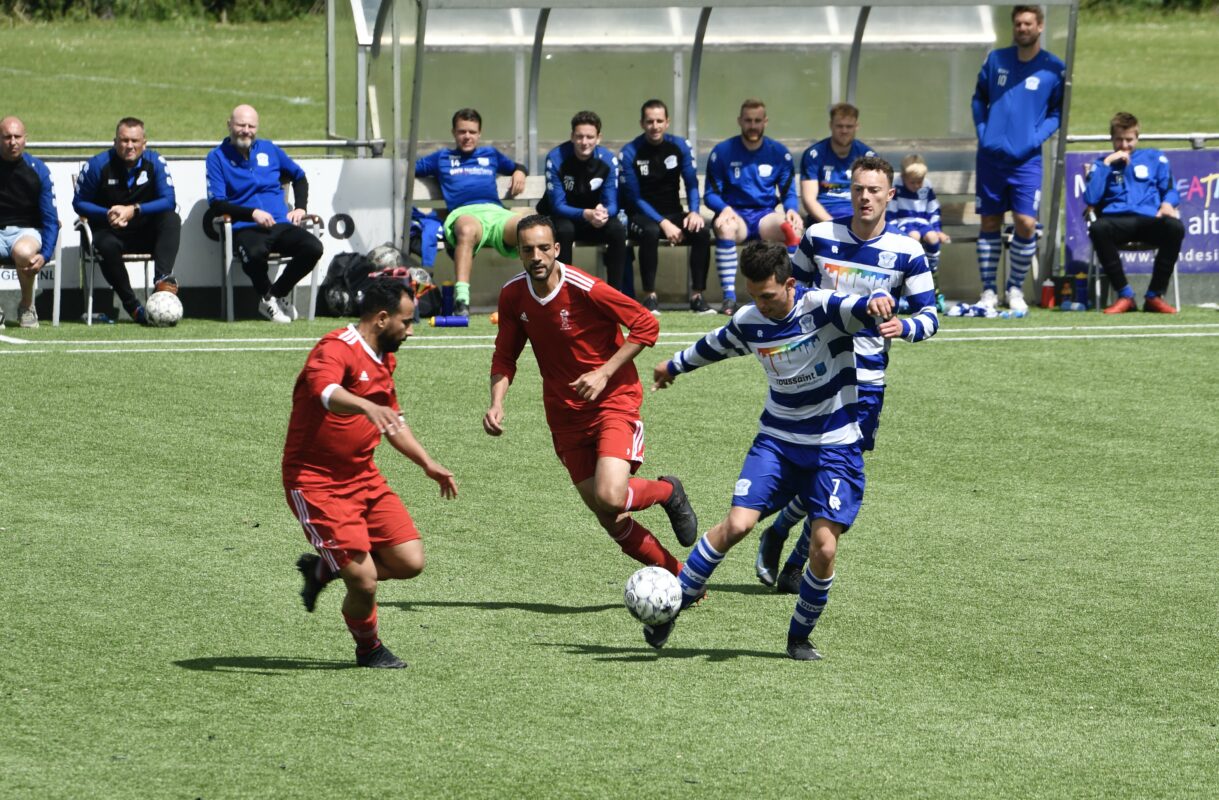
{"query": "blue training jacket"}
(1017, 105)
(1135, 188)
(741, 178)
(94, 188)
(254, 182)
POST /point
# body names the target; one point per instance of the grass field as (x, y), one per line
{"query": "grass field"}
(1025, 607)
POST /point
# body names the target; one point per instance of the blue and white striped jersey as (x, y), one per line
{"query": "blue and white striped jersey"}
(832, 257)
(808, 359)
(920, 207)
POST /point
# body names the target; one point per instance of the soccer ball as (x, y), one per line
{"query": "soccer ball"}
(164, 309)
(653, 595)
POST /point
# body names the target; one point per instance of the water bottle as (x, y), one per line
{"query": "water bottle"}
(445, 321)
(98, 318)
(446, 298)
(1071, 305)
(1047, 293)
(1081, 288)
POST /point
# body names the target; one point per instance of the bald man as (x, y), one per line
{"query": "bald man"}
(29, 226)
(245, 177)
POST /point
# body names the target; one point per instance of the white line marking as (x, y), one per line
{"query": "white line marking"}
(1080, 337)
(12, 340)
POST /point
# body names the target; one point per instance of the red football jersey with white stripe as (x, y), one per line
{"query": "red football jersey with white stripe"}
(573, 330)
(323, 448)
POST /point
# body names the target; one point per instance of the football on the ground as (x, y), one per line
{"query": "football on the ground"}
(653, 595)
(164, 309)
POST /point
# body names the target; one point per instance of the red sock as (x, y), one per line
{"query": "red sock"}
(642, 493)
(789, 235)
(639, 543)
(364, 631)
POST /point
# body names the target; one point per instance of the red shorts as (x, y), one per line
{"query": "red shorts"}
(608, 435)
(359, 518)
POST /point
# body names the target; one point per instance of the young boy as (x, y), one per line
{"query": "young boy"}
(915, 211)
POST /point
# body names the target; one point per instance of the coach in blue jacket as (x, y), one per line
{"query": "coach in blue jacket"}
(1017, 105)
(127, 196)
(245, 177)
(1134, 197)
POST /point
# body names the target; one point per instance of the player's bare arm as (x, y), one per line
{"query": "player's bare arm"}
(694, 222)
(493, 420)
(518, 183)
(661, 379)
(404, 442)
(590, 384)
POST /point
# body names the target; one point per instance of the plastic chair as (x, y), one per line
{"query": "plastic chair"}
(1098, 279)
(90, 261)
(223, 225)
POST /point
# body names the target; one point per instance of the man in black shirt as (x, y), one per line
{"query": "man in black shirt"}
(653, 168)
(29, 224)
(127, 197)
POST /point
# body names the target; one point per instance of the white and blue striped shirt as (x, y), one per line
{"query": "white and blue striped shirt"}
(919, 206)
(832, 257)
(808, 359)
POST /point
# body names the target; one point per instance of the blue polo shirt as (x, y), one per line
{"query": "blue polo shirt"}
(833, 174)
(743, 178)
(466, 179)
(1138, 187)
(253, 182)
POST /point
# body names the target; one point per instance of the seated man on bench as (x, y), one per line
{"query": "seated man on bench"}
(466, 173)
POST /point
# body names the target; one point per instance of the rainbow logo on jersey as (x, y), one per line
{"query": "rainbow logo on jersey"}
(780, 351)
(851, 275)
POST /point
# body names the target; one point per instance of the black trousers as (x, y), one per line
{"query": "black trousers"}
(291, 241)
(157, 234)
(611, 234)
(1111, 230)
(647, 233)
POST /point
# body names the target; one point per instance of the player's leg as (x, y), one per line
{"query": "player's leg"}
(304, 249)
(1025, 192)
(27, 245)
(1107, 231)
(774, 227)
(698, 261)
(613, 235)
(932, 242)
(109, 246)
(252, 248)
(1166, 233)
(631, 536)
(991, 205)
(766, 565)
(833, 492)
(617, 490)
(565, 237)
(729, 232)
(359, 575)
(466, 235)
(396, 545)
(164, 231)
(646, 233)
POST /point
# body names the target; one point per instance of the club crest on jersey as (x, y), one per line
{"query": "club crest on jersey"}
(143, 179)
(887, 259)
(765, 170)
(1140, 171)
(670, 162)
(807, 324)
(483, 161)
(595, 184)
(742, 487)
(564, 320)
(1032, 82)
(263, 160)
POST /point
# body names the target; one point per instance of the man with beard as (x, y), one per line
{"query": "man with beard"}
(590, 389)
(245, 177)
(1017, 105)
(748, 176)
(343, 403)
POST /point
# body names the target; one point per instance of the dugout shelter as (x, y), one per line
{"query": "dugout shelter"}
(396, 69)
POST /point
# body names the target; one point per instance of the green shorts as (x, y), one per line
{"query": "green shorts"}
(492, 217)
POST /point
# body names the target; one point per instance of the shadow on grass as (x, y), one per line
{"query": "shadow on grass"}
(500, 605)
(260, 665)
(607, 653)
(742, 588)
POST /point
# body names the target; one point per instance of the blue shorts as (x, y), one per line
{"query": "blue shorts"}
(752, 217)
(10, 235)
(871, 401)
(1008, 187)
(829, 480)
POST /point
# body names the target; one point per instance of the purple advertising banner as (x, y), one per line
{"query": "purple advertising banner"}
(1196, 173)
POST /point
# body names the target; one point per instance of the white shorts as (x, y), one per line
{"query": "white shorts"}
(10, 235)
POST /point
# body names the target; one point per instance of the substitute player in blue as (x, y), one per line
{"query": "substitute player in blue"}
(127, 196)
(825, 167)
(1133, 196)
(466, 173)
(582, 195)
(808, 436)
(1017, 105)
(244, 180)
(748, 178)
(859, 254)
(29, 224)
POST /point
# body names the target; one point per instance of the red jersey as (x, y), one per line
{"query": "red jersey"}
(573, 330)
(326, 449)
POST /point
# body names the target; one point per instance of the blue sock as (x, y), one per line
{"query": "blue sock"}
(725, 266)
(799, 553)
(1022, 254)
(695, 573)
(933, 256)
(1149, 294)
(814, 594)
(792, 513)
(1128, 292)
(989, 245)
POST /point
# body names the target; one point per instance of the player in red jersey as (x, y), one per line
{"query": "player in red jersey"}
(343, 402)
(590, 388)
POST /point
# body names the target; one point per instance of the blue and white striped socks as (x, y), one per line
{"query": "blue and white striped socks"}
(1022, 254)
(799, 553)
(933, 255)
(695, 573)
(792, 513)
(725, 266)
(814, 594)
(989, 249)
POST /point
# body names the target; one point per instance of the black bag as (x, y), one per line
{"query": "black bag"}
(346, 274)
